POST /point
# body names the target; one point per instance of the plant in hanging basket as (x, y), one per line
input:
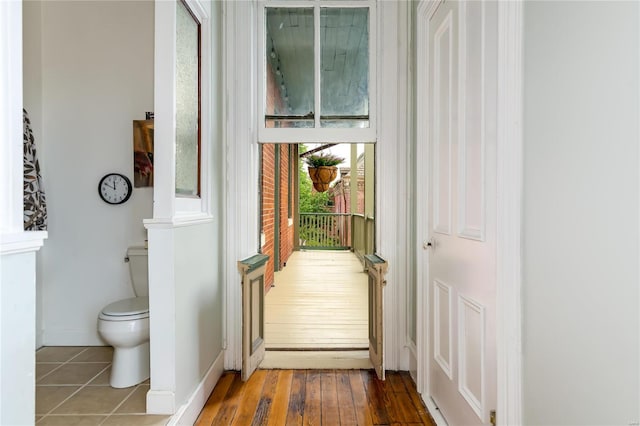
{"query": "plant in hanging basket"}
(322, 169)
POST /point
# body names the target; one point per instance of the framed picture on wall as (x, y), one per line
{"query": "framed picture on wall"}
(142, 153)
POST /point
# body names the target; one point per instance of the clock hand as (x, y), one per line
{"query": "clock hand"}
(114, 185)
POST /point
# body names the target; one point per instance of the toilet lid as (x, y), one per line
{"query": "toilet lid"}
(127, 307)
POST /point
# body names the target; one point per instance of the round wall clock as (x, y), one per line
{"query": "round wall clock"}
(114, 188)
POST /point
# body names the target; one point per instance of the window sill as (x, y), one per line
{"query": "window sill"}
(178, 221)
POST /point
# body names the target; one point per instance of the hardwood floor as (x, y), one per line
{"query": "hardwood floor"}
(319, 301)
(314, 397)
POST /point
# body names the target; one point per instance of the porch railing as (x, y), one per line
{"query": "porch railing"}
(325, 231)
(363, 235)
(338, 231)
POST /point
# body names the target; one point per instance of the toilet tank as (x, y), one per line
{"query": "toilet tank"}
(139, 270)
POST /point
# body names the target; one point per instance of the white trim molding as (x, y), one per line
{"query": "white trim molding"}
(11, 150)
(166, 203)
(317, 134)
(22, 242)
(509, 212)
(426, 9)
(391, 182)
(509, 208)
(241, 235)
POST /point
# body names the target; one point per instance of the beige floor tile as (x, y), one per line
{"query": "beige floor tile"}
(133, 420)
(38, 418)
(96, 354)
(94, 400)
(47, 397)
(58, 353)
(44, 369)
(74, 373)
(102, 379)
(72, 420)
(136, 403)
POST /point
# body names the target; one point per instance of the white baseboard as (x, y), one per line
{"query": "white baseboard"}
(188, 413)
(434, 411)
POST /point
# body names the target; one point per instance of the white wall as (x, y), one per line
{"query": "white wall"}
(198, 305)
(96, 77)
(17, 339)
(185, 251)
(198, 257)
(32, 99)
(580, 266)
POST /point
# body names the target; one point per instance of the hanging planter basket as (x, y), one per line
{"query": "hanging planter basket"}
(322, 169)
(322, 176)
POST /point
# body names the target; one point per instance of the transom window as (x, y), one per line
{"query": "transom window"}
(318, 76)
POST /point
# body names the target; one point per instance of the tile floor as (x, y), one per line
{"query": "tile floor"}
(72, 388)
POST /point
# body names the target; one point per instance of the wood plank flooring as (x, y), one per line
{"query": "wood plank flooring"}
(314, 397)
(319, 302)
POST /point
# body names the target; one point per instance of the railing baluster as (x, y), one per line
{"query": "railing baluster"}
(335, 230)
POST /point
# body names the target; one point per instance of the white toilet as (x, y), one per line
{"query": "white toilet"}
(125, 326)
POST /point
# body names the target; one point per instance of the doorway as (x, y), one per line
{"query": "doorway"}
(316, 236)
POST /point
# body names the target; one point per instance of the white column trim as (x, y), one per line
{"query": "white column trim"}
(162, 295)
(426, 9)
(164, 108)
(13, 239)
(11, 151)
(241, 235)
(22, 242)
(403, 132)
(391, 203)
(509, 212)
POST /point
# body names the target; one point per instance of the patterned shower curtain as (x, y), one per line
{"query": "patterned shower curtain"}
(35, 205)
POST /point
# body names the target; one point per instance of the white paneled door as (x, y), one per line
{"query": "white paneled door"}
(461, 86)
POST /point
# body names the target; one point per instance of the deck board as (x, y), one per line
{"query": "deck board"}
(319, 301)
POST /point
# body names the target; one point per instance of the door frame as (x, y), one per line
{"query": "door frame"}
(241, 154)
(509, 211)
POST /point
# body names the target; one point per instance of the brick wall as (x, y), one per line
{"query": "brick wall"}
(286, 230)
(268, 209)
(268, 187)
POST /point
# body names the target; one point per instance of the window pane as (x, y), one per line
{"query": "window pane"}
(344, 84)
(289, 67)
(187, 102)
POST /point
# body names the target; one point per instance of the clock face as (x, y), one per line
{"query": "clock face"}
(114, 188)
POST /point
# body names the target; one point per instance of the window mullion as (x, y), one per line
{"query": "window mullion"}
(317, 64)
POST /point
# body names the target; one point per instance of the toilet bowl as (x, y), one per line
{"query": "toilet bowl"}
(124, 324)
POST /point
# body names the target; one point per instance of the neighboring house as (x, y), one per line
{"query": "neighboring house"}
(340, 192)
(88, 70)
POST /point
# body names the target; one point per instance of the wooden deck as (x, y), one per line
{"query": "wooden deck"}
(319, 302)
(314, 397)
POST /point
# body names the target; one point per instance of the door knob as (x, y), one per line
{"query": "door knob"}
(429, 244)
